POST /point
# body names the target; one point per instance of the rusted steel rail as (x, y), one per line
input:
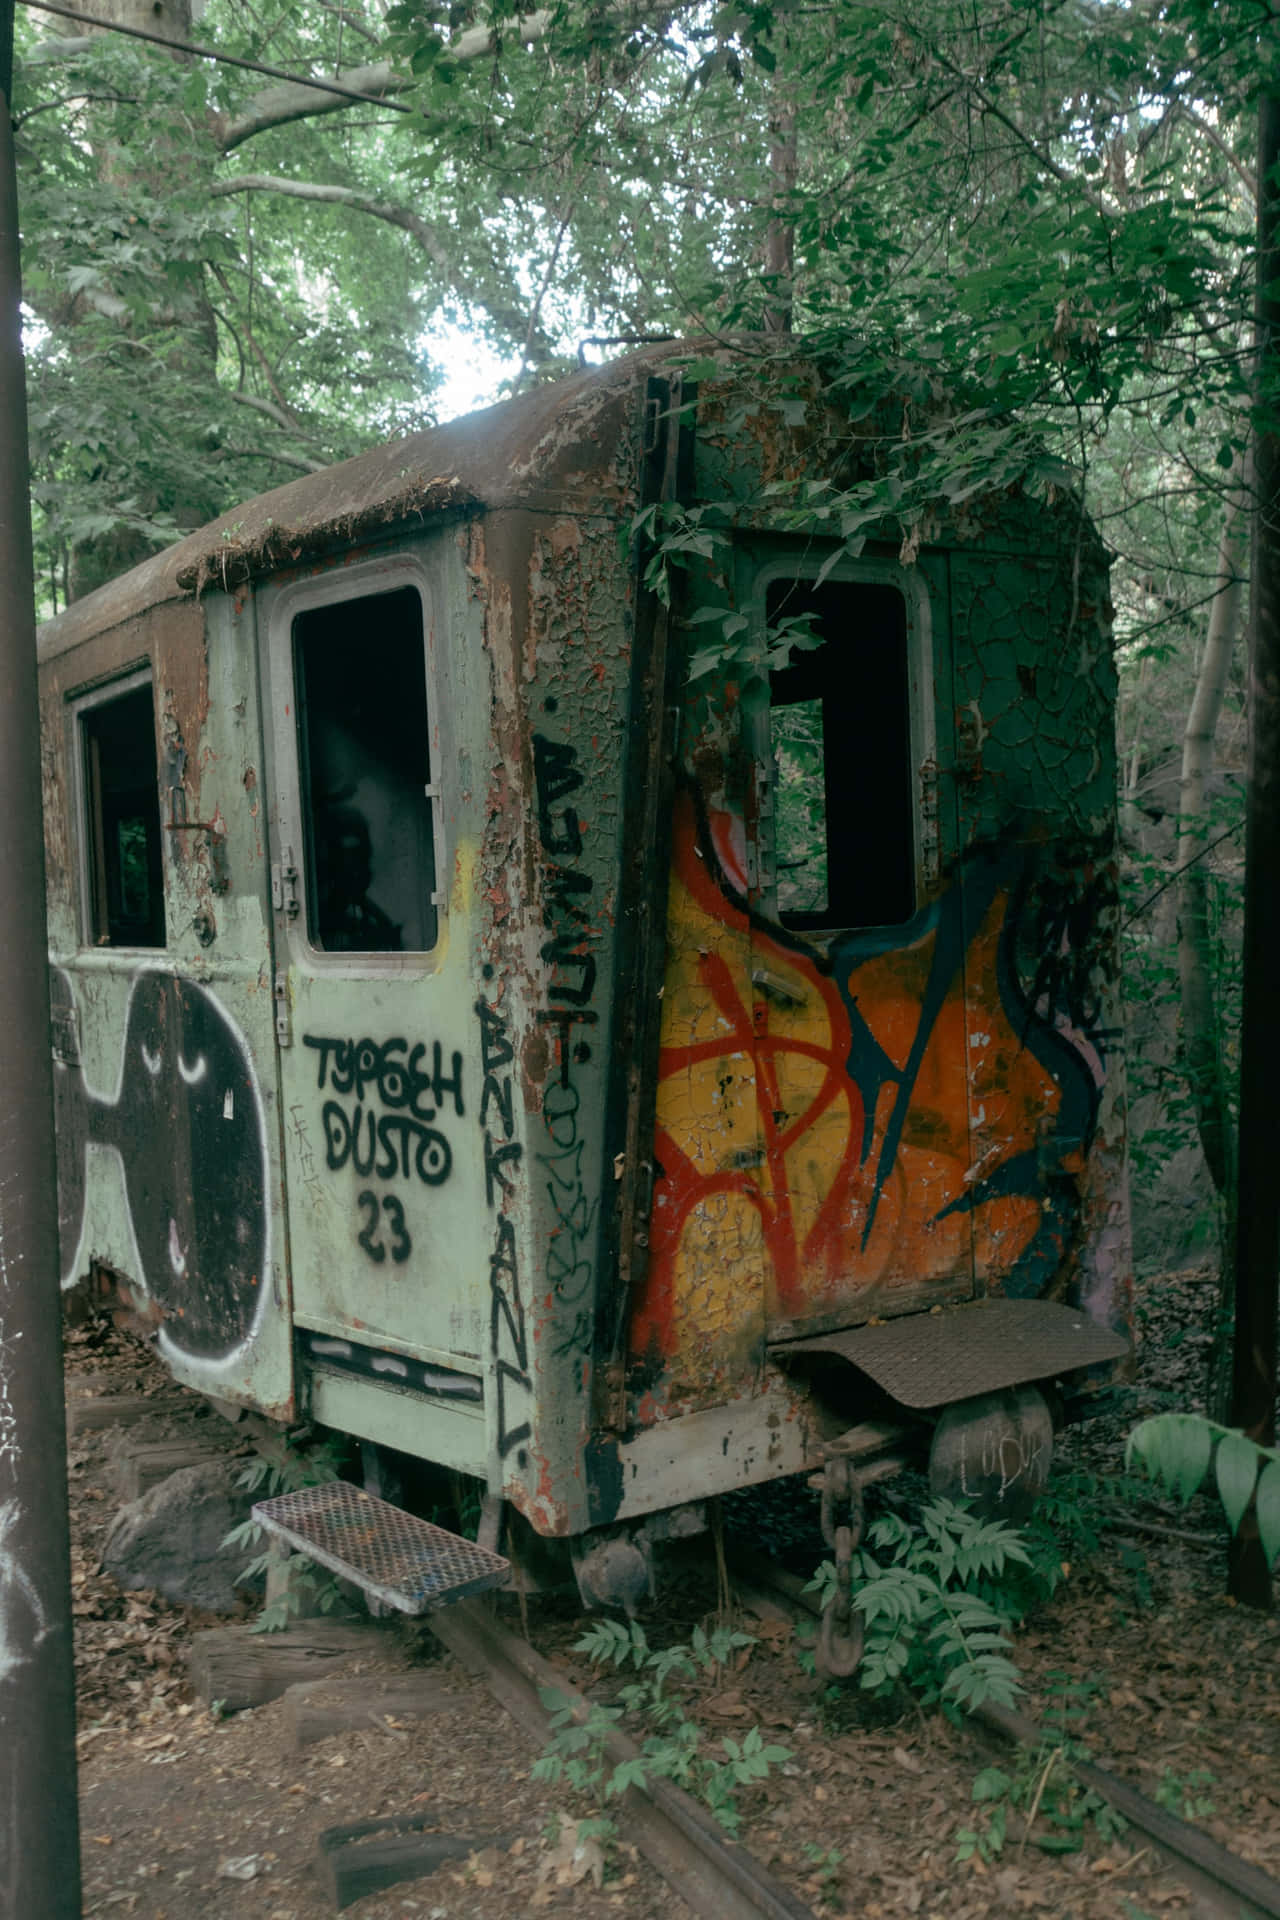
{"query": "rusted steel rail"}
(1200, 1861)
(1206, 1866)
(717, 1878)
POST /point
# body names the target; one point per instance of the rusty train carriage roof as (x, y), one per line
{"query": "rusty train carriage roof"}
(553, 449)
(563, 448)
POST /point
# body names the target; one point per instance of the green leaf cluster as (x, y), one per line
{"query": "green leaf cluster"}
(931, 1594)
(287, 1469)
(675, 1748)
(1042, 1791)
(1178, 1450)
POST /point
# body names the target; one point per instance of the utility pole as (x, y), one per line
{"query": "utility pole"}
(1253, 1380)
(39, 1823)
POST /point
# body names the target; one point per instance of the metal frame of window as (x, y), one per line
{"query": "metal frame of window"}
(90, 850)
(364, 580)
(911, 585)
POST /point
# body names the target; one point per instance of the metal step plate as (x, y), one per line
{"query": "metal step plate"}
(930, 1359)
(399, 1559)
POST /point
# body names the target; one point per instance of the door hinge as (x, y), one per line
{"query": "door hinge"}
(284, 1014)
(284, 885)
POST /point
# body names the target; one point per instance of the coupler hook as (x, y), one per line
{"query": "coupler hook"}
(839, 1647)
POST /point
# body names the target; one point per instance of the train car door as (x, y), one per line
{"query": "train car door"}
(372, 1093)
(857, 969)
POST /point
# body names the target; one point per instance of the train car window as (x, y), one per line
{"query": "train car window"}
(840, 740)
(365, 765)
(125, 893)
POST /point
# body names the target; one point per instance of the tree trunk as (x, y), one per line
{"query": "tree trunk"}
(1201, 1032)
(1253, 1383)
(1200, 1026)
(1130, 815)
(780, 240)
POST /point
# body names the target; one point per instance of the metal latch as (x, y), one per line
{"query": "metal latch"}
(284, 885)
(775, 988)
(284, 1015)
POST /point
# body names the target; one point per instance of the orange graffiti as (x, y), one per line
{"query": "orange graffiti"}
(830, 1145)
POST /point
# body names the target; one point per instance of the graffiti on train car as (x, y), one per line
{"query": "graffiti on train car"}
(817, 1124)
(508, 1330)
(186, 1121)
(570, 990)
(383, 1099)
(400, 1141)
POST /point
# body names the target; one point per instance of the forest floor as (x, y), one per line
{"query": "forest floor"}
(185, 1813)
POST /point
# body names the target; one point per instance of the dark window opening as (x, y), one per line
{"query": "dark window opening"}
(126, 873)
(365, 765)
(840, 736)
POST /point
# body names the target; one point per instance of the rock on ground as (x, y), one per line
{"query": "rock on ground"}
(171, 1540)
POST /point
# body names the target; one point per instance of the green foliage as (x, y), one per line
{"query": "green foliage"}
(1082, 249)
(1041, 1790)
(1058, 1811)
(1156, 1069)
(937, 1606)
(1187, 1795)
(826, 1863)
(675, 1748)
(189, 345)
(1177, 1450)
(287, 1469)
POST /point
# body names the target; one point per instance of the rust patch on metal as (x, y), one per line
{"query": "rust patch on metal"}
(239, 558)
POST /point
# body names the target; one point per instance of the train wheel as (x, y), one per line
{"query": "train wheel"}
(994, 1451)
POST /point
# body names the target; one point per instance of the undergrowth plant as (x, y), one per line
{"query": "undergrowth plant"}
(938, 1596)
(1177, 1451)
(1041, 1791)
(675, 1747)
(1188, 1795)
(288, 1470)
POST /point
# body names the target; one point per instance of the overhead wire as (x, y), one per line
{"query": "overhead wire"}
(221, 59)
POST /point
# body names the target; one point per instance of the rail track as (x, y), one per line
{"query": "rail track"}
(1209, 1869)
(719, 1878)
(714, 1876)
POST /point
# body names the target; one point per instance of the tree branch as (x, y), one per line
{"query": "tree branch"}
(257, 352)
(505, 310)
(52, 106)
(351, 20)
(423, 232)
(276, 413)
(278, 106)
(1246, 176)
(297, 461)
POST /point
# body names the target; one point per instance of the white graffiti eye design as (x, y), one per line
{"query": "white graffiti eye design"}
(193, 1075)
(177, 1258)
(151, 1061)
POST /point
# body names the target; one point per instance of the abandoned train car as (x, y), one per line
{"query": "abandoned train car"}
(508, 1009)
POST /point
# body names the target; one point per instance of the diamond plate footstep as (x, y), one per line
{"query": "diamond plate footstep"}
(928, 1359)
(391, 1554)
